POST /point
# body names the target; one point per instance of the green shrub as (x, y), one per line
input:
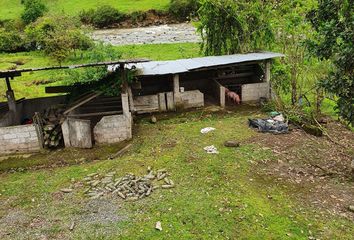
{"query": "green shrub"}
(183, 9)
(11, 41)
(34, 9)
(86, 16)
(103, 16)
(12, 38)
(138, 16)
(57, 36)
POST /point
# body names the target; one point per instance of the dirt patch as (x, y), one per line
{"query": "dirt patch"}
(99, 211)
(58, 158)
(14, 218)
(321, 166)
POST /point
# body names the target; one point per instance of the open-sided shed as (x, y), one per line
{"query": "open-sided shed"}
(196, 82)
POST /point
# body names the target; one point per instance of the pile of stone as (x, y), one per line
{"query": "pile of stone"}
(129, 187)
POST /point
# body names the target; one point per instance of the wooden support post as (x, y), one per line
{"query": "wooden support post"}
(123, 75)
(125, 104)
(222, 96)
(7, 79)
(131, 100)
(176, 93)
(267, 77)
(11, 101)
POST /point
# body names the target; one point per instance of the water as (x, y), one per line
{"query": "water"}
(173, 33)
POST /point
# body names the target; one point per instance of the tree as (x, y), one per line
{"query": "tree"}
(333, 22)
(34, 9)
(57, 36)
(229, 26)
(292, 31)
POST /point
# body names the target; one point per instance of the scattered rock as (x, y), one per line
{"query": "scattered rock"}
(158, 226)
(211, 149)
(128, 187)
(351, 208)
(207, 129)
(72, 226)
(66, 190)
(153, 119)
(231, 143)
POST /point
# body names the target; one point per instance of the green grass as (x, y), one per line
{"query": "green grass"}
(11, 9)
(216, 196)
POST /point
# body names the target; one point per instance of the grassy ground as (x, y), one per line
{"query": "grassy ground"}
(222, 196)
(14, 8)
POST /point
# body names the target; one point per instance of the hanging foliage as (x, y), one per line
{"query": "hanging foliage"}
(229, 27)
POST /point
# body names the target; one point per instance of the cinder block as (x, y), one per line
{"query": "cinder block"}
(9, 136)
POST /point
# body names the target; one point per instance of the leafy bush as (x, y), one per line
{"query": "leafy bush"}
(12, 38)
(183, 9)
(34, 9)
(103, 16)
(11, 41)
(138, 16)
(58, 36)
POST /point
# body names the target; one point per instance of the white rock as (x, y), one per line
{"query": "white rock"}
(158, 226)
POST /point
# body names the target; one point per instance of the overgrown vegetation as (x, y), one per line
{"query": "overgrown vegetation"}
(184, 9)
(282, 26)
(58, 36)
(334, 25)
(103, 16)
(229, 27)
(12, 39)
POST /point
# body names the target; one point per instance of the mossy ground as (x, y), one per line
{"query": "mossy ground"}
(223, 196)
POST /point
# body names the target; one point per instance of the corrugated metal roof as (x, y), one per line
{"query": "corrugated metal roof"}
(193, 64)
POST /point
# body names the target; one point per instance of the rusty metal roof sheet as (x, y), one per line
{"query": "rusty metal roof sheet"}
(194, 64)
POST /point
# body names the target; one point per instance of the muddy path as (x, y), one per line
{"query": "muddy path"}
(172, 33)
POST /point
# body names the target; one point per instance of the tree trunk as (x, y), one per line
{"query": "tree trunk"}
(293, 86)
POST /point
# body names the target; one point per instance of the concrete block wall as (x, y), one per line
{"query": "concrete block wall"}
(77, 133)
(146, 104)
(113, 129)
(254, 91)
(192, 99)
(21, 138)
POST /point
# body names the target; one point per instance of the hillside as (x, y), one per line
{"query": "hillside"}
(268, 188)
(14, 8)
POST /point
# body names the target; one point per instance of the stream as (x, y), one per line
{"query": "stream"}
(173, 33)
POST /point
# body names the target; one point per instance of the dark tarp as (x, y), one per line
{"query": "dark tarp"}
(269, 125)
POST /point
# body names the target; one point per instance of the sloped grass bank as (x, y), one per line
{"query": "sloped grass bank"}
(12, 9)
(216, 196)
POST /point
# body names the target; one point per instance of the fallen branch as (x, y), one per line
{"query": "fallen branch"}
(326, 134)
(120, 152)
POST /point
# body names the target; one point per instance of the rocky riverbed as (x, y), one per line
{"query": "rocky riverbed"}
(173, 33)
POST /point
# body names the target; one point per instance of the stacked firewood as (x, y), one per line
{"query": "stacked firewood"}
(52, 134)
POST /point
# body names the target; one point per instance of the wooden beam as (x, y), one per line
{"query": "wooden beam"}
(9, 74)
(96, 114)
(17, 72)
(58, 89)
(82, 102)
